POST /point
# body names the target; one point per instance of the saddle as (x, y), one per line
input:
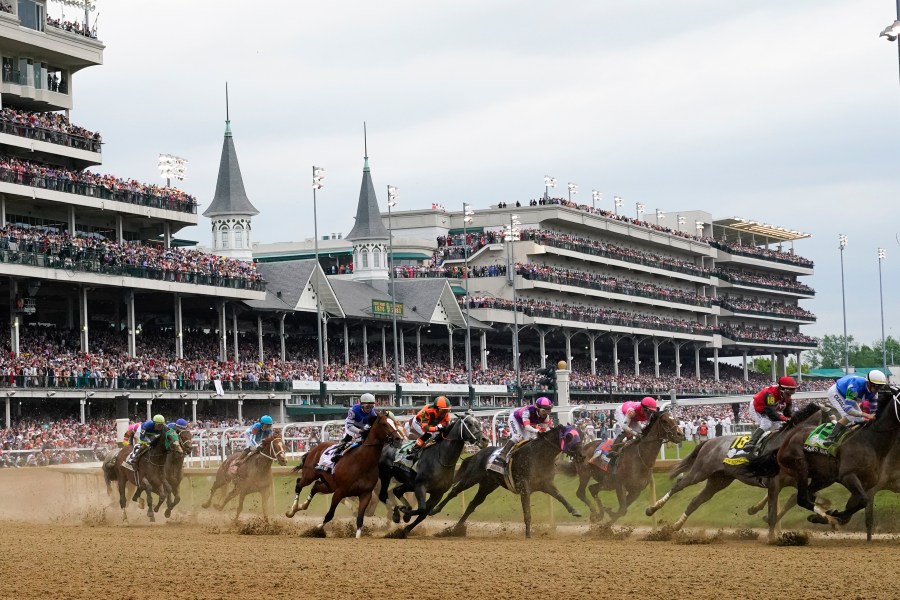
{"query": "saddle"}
(814, 441)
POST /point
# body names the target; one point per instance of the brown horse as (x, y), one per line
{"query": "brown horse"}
(705, 464)
(253, 476)
(355, 474)
(175, 470)
(857, 465)
(149, 474)
(635, 466)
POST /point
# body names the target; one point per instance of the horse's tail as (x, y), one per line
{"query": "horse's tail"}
(299, 467)
(109, 473)
(687, 462)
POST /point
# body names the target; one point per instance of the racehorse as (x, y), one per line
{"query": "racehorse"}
(531, 469)
(355, 474)
(148, 475)
(433, 471)
(253, 476)
(174, 470)
(634, 470)
(857, 466)
(705, 463)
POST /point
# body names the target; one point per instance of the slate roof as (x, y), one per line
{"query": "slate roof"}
(230, 197)
(368, 217)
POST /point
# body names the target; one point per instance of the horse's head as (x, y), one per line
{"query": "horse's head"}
(274, 447)
(186, 438)
(569, 439)
(387, 429)
(671, 432)
(470, 431)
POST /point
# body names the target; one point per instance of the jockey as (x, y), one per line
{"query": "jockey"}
(254, 435)
(359, 419)
(628, 417)
(430, 420)
(845, 396)
(128, 438)
(180, 425)
(770, 407)
(147, 433)
(525, 423)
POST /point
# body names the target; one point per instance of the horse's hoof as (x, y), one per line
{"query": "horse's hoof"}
(649, 511)
(407, 517)
(396, 516)
(397, 534)
(818, 519)
(576, 514)
(168, 512)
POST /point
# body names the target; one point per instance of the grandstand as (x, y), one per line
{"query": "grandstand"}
(109, 304)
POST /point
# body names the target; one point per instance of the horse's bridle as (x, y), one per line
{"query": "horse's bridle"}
(462, 423)
(394, 429)
(276, 454)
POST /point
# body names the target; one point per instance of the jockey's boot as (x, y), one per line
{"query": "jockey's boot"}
(413, 454)
(499, 464)
(750, 447)
(835, 434)
(129, 461)
(243, 457)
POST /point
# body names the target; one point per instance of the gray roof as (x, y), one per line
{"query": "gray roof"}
(285, 282)
(368, 218)
(230, 197)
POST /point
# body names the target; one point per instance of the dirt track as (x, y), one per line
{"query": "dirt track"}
(73, 551)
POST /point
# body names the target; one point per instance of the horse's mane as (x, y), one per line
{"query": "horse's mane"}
(802, 415)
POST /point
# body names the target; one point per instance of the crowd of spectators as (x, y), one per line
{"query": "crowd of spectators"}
(761, 252)
(590, 314)
(776, 309)
(172, 264)
(72, 27)
(767, 281)
(451, 271)
(48, 127)
(758, 334)
(107, 187)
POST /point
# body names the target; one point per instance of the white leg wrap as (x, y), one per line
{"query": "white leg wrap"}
(680, 522)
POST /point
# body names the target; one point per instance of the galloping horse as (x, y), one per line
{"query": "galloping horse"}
(253, 476)
(355, 474)
(705, 463)
(635, 466)
(532, 471)
(174, 470)
(857, 466)
(434, 470)
(149, 474)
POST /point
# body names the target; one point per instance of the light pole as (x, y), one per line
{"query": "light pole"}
(892, 31)
(549, 182)
(318, 180)
(172, 167)
(639, 206)
(881, 256)
(468, 215)
(595, 198)
(659, 215)
(573, 189)
(617, 200)
(681, 221)
(699, 225)
(392, 202)
(511, 233)
(842, 243)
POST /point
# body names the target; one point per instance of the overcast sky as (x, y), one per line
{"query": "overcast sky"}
(780, 111)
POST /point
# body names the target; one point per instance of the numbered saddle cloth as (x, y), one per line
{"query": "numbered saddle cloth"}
(327, 459)
(818, 435)
(736, 455)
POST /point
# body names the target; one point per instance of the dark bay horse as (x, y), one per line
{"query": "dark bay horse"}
(705, 463)
(253, 476)
(532, 471)
(858, 466)
(355, 474)
(433, 471)
(634, 469)
(175, 469)
(149, 474)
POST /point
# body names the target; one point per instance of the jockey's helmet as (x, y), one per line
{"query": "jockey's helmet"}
(544, 404)
(181, 423)
(876, 378)
(649, 403)
(265, 420)
(367, 399)
(787, 384)
(442, 403)
(159, 419)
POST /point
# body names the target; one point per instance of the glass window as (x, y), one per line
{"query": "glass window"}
(364, 259)
(31, 15)
(225, 238)
(238, 238)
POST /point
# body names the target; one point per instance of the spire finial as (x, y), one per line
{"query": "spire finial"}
(227, 113)
(365, 148)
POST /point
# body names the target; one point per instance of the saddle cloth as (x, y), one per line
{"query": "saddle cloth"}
(326, 460)
(818, 435)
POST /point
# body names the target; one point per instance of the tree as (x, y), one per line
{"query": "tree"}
(830, 353)
(761, 365)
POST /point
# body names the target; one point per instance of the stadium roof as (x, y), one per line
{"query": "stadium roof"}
(230, 197)
(368, 217)
(288, 287)
(772, 232)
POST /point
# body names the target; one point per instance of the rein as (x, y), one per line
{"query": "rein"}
(276, 454)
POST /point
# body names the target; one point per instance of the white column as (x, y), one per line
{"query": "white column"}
(365, 345)
(542, 334)
(167, 234)
(419, 347)
(774, 366)
(782, 364)
(450, 339)
(799, 368)
(2, 209)
(384, 361)
(179, 328)
(325, 339)
(402, 345)
(677, 359)
(615, 355)
(71, 220)
(484, 351)
(562, 395)
(82, 402)
(259, 335)
(83, 319)
(593, 338)
(746, 370)
(132, 324)
(234, 333)
(223, 333)
(194, 410)
(120, 228)
(8, 414)
(656, 344)
(716, 363)
(14, 317)
(283, 411)
(568, 336)
(637, 359)
(149, 409)
(240, 410)
(346, 345)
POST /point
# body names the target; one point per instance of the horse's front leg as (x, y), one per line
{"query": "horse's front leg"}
(525, 497)
(551, 490)
(401, 504)
(364, 501)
